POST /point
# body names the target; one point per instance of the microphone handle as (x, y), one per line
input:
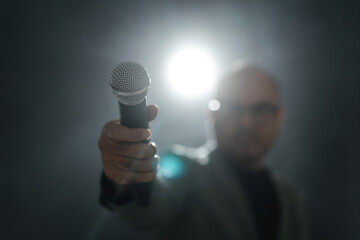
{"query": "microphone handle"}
(136, 117)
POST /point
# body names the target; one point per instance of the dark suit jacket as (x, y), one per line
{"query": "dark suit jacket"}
(207, 201)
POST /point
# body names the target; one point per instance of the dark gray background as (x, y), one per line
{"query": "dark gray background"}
(56, 59)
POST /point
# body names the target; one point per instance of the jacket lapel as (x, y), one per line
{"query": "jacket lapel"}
(231, 199)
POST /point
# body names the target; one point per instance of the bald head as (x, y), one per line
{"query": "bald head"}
(250, 114)
(249, 82)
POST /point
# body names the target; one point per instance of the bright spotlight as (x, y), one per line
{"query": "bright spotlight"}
(192, 72)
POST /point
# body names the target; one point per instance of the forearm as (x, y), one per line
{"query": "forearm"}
(120, 199)
(113, 195)
(161, 209)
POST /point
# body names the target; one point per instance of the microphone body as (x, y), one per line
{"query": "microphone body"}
(130, 82)
(135, 117)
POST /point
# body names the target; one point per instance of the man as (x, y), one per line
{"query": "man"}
(226, 194)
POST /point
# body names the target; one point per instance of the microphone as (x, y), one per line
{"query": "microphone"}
(130, 83)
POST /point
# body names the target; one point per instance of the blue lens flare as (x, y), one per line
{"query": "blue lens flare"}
(171, 166)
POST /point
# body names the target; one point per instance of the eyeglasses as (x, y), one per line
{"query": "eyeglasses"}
(258, 111)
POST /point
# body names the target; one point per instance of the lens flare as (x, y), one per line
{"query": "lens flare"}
(171, 166)
(214, 105)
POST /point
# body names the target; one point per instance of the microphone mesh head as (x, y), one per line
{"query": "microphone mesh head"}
(130, 82)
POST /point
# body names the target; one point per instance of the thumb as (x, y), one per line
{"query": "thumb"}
(152, 111)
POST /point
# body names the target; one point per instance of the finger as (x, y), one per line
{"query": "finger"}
(126, 149)
(114, 130)
(152, 111)
(136, 165)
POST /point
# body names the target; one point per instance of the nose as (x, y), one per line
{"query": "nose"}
(246, 120)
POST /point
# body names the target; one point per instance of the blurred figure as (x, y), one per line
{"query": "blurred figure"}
(223, 192)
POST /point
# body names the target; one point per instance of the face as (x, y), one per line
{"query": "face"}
(250, 116)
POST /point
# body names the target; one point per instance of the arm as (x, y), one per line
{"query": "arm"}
(128, 160)
(167, 198)
(163, 207)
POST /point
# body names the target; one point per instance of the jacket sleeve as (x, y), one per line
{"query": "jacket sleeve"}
(111, 196)
(168, 197)
(165, 204)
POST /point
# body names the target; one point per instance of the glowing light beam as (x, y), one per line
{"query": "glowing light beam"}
(192, 72)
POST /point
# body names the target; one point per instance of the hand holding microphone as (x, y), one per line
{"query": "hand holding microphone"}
(125, 156)
(128, 157)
